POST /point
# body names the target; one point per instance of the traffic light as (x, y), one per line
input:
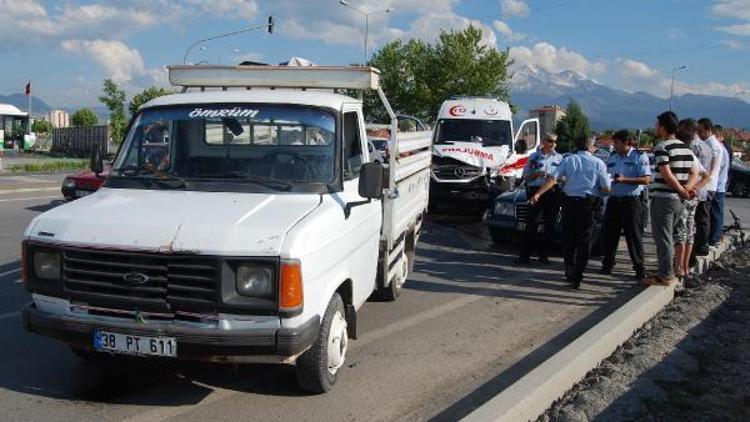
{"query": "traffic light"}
(270, 24)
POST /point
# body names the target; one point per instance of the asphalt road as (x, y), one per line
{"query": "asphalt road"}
(467, 325)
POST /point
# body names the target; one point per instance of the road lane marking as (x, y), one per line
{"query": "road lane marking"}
(10, 272)
(413, 320)
(30, 198)
(9, 315)
(25, 190)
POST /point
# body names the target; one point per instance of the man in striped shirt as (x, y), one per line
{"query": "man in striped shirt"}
(674, 180)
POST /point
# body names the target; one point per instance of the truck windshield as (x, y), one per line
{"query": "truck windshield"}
(490, 133)
(228, 147)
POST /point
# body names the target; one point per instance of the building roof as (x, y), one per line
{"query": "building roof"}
(11, 110)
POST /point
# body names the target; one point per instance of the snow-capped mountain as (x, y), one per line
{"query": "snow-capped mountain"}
(609, 108)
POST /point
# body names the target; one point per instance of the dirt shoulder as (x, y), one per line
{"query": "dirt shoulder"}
(689, 363)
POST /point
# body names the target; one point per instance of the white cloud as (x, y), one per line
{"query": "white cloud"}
(512, 8)
(739, 9)
(429, 26)
(121, 62)
(547, 57)
(507, 32)
(740, 29)
(734, 44)
(632, 69)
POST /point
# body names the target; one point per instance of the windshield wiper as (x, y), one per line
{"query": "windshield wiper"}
(154, 176)
(261, 180)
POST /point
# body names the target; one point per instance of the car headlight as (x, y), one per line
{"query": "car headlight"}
(505, 208)
(254, 280)
(47, 265)
(69, 183)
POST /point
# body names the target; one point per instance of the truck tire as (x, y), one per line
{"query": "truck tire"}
(392, 291)
(317, 368)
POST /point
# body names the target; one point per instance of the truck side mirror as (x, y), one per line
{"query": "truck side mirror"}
(97, 161)
(371, 181)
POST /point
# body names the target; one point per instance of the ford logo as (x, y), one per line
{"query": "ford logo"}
(135, 278)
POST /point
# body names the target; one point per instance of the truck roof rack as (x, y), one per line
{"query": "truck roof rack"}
(254, 76)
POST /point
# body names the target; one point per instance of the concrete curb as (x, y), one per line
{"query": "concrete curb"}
(533, 394)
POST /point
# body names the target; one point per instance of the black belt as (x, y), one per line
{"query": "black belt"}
(623, 198)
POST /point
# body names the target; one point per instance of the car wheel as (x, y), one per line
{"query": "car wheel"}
(738, 189)
(317, 368)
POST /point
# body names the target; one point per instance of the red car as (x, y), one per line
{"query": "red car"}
(82, 184)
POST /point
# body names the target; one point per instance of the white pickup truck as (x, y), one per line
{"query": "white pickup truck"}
(476, 157)
(242, 221)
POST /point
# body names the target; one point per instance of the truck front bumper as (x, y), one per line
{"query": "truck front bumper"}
(193, 343)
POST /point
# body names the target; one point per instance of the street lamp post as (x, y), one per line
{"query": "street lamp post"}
(671, 95)
(367, 20)
(269, 26)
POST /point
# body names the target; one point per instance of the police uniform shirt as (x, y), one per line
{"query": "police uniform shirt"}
(540, 162)
(584, 174)
(633, 164)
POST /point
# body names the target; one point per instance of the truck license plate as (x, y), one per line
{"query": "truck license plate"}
(135, 345)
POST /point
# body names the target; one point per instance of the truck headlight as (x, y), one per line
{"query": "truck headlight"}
(505, 208)
(69, 184)
(47, 265)
(254, 280)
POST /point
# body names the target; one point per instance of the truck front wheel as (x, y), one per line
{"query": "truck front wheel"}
(317, 368)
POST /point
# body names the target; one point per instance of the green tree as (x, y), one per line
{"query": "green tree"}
(418, 77)
(41, 126)
(145, 96)
(113, 97)
(573, 126)
(84, 117)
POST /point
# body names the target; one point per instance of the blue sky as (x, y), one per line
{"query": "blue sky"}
(67, 47)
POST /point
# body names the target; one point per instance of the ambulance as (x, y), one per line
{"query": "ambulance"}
(475, 155)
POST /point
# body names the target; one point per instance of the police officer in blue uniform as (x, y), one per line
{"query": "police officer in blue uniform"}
(541, 163)
(630, 172)
(584, 177)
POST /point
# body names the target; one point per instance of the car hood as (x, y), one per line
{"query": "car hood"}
(210, 223)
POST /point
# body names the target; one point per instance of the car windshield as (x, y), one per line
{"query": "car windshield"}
(228, 147)
(490, 133)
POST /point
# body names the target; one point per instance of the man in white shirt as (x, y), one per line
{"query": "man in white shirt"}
(721, 187)
(706, 133)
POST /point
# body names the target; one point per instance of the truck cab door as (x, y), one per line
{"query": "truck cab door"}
(361, 229)
(527, 138)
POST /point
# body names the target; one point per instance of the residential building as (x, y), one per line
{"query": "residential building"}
(58, 118)
(548, 117)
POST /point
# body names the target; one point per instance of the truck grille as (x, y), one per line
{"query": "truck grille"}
(522, 212)
(141, 281)
(450, 169)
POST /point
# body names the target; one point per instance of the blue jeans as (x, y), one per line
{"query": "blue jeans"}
(717, 218)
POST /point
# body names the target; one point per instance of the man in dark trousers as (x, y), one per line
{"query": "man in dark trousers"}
(630, 171)
(541, 163)
(585, 176)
